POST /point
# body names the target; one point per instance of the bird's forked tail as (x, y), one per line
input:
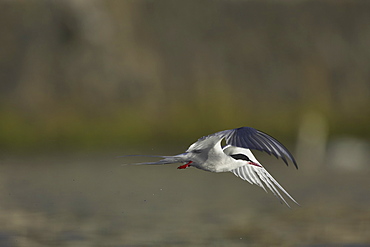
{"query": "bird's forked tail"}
(165, 159)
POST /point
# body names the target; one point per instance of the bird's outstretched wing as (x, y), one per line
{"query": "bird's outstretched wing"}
(247, 137)
(259, 176)
(207, 142)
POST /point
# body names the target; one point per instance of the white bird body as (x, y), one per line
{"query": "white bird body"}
(236, 157)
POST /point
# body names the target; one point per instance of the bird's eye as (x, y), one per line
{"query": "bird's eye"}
(197, 151)
(240, 157)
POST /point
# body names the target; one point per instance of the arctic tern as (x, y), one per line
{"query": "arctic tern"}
(208, 154)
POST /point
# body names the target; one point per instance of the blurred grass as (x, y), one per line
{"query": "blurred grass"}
(69, 130)
(183, 123)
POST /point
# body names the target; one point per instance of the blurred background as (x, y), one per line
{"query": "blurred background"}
(84, 81)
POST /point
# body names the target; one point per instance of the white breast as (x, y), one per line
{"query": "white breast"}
(214, 159)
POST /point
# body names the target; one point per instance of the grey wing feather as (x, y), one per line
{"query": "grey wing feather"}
(207, 142)
(257, 175)
(247, 137)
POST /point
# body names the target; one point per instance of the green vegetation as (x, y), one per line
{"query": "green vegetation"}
(181, 123)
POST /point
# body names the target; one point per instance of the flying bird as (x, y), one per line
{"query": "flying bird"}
(208, 154)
